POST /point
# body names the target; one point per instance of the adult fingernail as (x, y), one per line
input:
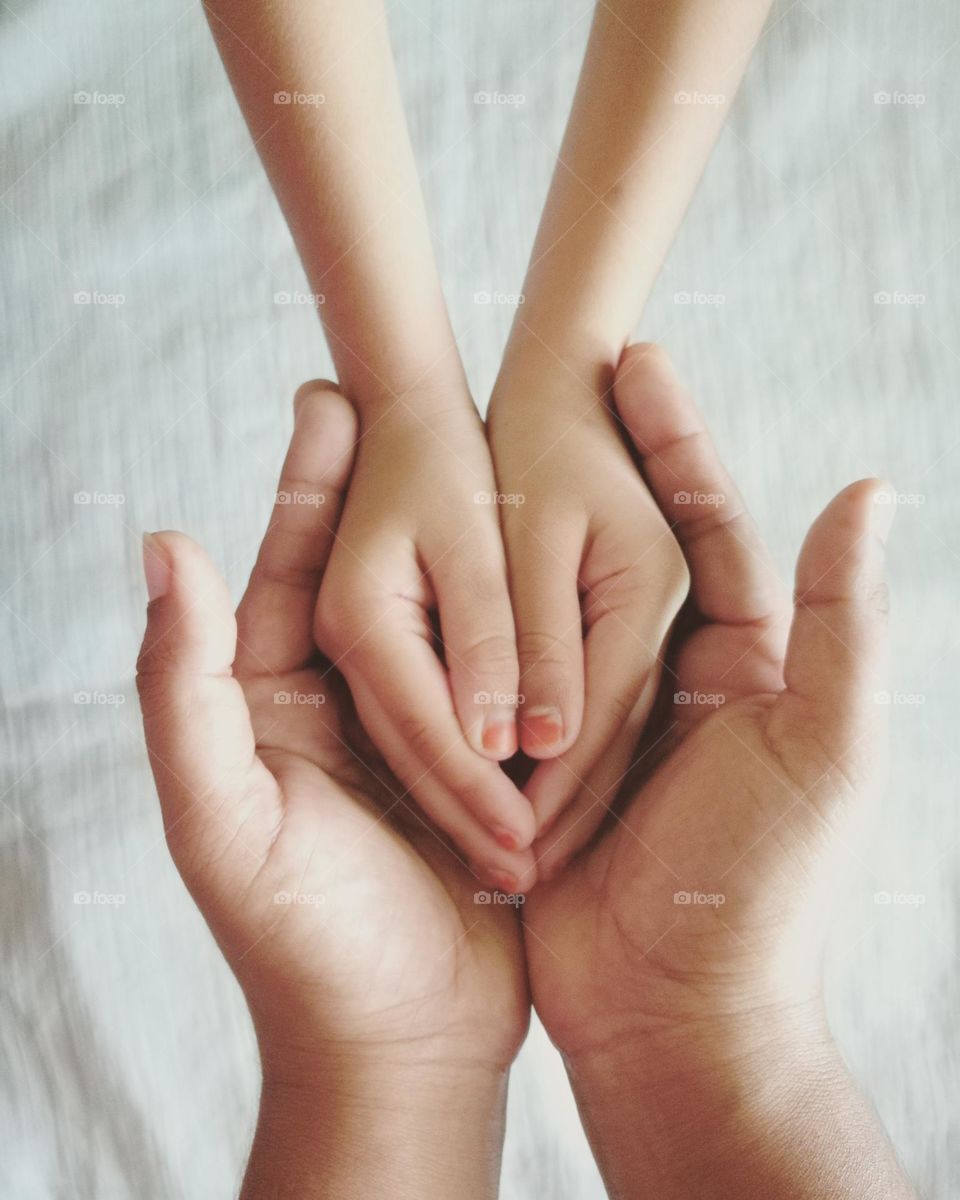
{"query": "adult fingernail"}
(884, 510)
(543, 726)
(156, 567)
(499, 735)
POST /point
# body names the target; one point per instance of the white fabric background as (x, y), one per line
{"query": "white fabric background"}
(128, 1066)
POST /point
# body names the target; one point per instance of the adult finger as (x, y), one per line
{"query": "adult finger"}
(733, 577)
(212, 788)
(837, 652)
(275, 617)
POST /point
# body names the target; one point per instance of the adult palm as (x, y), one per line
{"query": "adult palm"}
(708, 892)
(346, 917)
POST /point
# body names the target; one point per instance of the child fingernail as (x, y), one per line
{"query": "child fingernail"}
(543, 726)
(499, 736)
(156, 568)
(505, 837)
(503, 881)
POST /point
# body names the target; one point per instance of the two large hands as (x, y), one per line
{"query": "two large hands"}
(375, 978)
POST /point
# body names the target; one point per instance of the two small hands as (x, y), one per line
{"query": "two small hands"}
(666, 869)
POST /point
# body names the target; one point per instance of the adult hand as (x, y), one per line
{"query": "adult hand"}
(377, 986)
(676, 962)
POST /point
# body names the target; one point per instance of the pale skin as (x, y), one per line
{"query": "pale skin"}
(512, 604)
(589, 551)
(389, 1005)
(415, 548)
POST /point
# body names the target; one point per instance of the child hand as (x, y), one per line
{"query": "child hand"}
(596, 579)
(418, 555)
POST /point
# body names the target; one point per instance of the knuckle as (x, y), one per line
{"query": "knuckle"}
(644, 357)
(418, 735)
(494, 654)
(339, 620)
(158, 657)
(471, 793)
(541, 652)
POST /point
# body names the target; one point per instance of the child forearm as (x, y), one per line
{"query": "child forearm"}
(657, 81)
(317, 86)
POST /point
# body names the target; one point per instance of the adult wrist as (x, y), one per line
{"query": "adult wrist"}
(346, 1129)
(747, 1104)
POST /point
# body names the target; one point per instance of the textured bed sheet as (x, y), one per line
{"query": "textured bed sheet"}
(128, 1066)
